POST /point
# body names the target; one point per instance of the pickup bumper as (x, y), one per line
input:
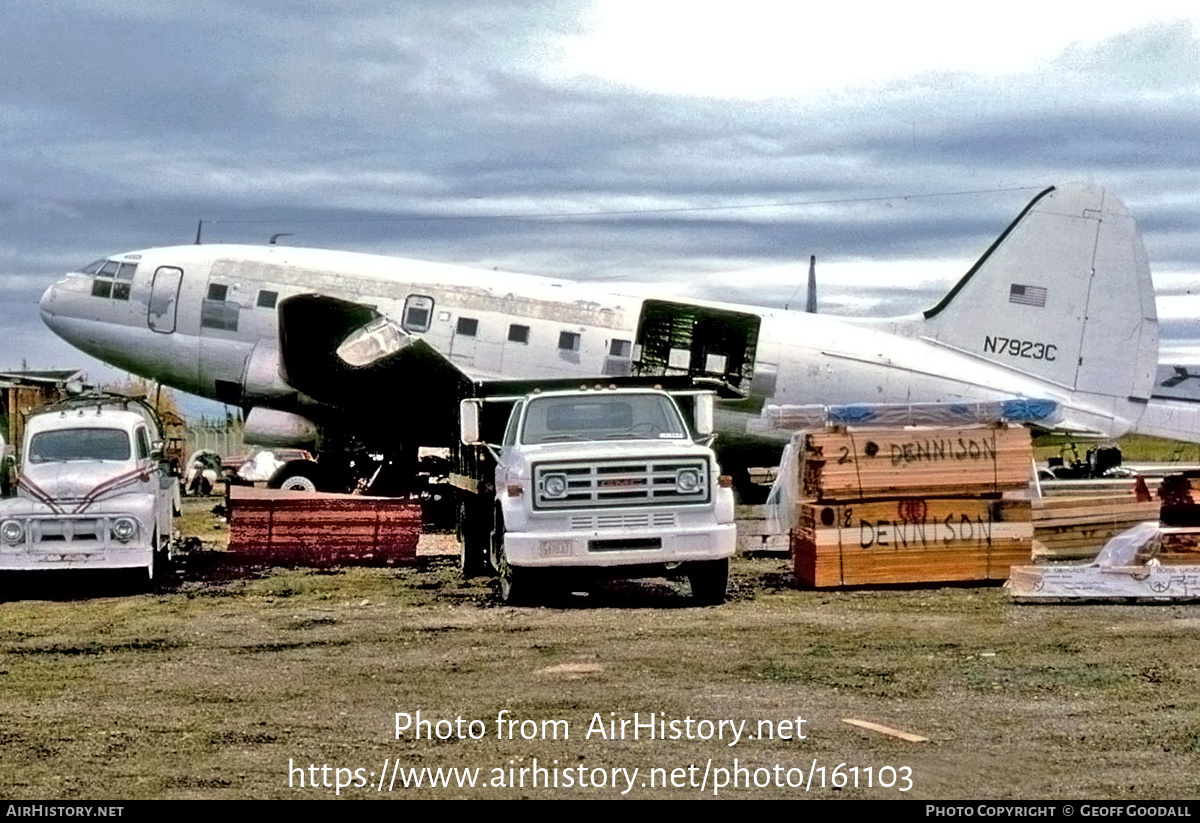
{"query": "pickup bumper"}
(72, 542)
(626, 547)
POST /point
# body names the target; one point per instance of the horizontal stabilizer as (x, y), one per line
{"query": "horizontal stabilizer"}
(1038, 412)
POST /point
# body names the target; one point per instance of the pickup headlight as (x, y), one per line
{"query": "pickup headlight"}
(124, 529)
(12, 532)
(688, 481)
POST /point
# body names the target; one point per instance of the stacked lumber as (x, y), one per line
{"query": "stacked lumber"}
(1076, 528)
(1179, 546)
(757, 534)
(841, 464)
(316, 529)
(912, 506)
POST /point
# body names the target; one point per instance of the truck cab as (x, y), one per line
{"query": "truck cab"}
(607, 481)
(92, 490)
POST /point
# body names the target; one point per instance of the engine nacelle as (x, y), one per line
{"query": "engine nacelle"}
(261, 379)
(273, 428)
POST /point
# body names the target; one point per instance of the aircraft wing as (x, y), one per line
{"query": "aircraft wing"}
(349, 356)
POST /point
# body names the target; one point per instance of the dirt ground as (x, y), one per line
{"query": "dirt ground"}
(245, 682)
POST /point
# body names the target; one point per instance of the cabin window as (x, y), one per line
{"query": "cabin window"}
(267, 299)
(518, 334)
(467, 326)
(143, 444)
(568, 341)
(418, 312)
(216, 312)
(620, 348)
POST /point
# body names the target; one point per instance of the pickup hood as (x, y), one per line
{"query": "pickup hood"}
(80, 481)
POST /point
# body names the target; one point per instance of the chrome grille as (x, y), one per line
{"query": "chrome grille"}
(609, 483)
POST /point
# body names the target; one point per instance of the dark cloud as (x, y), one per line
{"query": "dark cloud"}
(435, 130)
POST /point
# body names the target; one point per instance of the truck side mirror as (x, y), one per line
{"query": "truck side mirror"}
(468, 415)
(704, 415)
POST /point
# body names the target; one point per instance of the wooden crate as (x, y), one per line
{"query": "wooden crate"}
(910, 540)
(315, 529)
(858, 463)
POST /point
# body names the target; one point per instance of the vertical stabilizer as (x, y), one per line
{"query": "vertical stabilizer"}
(1064, 296)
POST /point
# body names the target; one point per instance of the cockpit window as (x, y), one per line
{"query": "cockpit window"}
(113, 278)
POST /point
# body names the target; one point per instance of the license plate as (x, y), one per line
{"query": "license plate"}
(554, 548)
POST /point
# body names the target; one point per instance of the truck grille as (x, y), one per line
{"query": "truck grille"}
(624, 520)
(57, 533)
(609, 483)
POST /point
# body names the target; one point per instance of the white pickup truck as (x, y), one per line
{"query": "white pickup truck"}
(92, 492)
(606, 481)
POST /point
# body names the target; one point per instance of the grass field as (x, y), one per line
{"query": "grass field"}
(236, 682)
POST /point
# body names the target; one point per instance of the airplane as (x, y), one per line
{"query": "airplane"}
(360, 353)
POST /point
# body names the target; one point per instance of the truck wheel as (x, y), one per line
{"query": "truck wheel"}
(710, 581)
(473, 537)
(516, 584)
(160, 562)
(298, 476)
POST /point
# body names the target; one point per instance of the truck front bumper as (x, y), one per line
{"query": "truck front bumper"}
(54, 541)
(633, 547)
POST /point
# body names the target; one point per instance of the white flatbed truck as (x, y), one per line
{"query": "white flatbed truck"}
(589, 481)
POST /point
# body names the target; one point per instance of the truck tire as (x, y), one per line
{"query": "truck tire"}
(159, 570)
(474, 533)
(298, 475)
(709, 580)
(516, 584)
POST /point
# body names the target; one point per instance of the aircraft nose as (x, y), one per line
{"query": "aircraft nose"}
(44, 305)
(52, 307)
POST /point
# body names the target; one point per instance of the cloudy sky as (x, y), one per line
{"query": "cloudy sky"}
(707, 146)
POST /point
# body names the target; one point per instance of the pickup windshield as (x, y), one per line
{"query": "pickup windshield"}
(79, 444)
(601, 417)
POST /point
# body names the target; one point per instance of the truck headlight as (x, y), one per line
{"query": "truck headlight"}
(12, 531)
(124, 529)
(688, 481)
(554, 485)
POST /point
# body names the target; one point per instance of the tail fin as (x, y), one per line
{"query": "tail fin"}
(1064, 295)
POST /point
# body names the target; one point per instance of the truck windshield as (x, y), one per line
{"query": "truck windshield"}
(79, 444)
(602, 417)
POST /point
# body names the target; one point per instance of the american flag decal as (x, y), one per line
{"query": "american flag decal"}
(1027, 295)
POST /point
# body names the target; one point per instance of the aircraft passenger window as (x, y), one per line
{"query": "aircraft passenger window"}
(467, 326)
(217, 291)
(266, 299)
(418, 312)
(518, 334)
(568, 341)
(620, 348)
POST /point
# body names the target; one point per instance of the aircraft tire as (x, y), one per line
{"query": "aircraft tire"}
(298, 475)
